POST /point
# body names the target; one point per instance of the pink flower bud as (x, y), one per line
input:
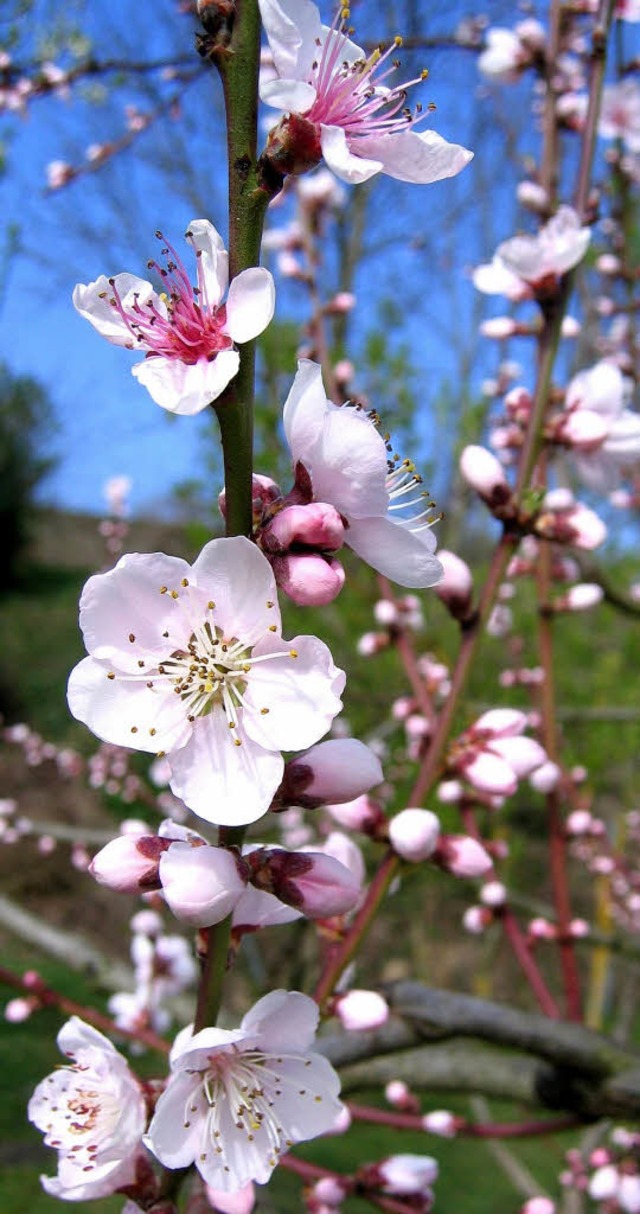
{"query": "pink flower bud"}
(570, 327)
(309, 579)
(399, 1095)
(541, 929)
(489, 773)
(579, 928)
(456, 587)
(414, 834)
(493, 894)
(18, 1010)
(583, 596)
(498, 327)
(604, 1183)
(476, 919)
(264, 492)
(482, 471)
(361, 1010)
(538, 1205)
(360, 814)
(450, 792)
(386, 613)
(329, 1190)
(545, 778)
(462, 856)
(314, 883)
(406, 1175)
(129, 864)
(316, 525)
(336, 771)
(440, 1122)
(583, 429)
(240, 1202)
(202, 885)
(532, 195)
(579, 822)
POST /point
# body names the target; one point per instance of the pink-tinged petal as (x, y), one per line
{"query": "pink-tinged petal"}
(241, 1202)
(403, 555)
(126, 602)
(213, 260)
(76, 1035)
(257, 908)
(490, 773)
(293, 96)
(419, 157)
(501, 722)
(342, 159)
(293, 28)
(91, 300)
(301, 693)
(239, 580)
(187, 388)
(304, 409)
(522, 754)
(126, 713)
(601, 388)
(174, 1139)
(221, 782)
(250, 304)
(493, 278)
(285, 1018)
(201, 885)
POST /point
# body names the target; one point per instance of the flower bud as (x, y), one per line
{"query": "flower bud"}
(414, 834)
(579, 822)
(399, 1095)
(475, 919)
(329, 1191)
(316, 525)
(582, 597)
(240, 1202)
(456, 587)
(362, 814)
(462, 856)
(603, 1185)
(545, 778)
(129, 864)
(538, 1205)
(499, 327)
(440, 1122)
(361, 1010)
(336, 771)
(482, 471)
(579, 929)
(493, 894)
(310, 580)
(406, 1175)
(314, 883)
(264, 492)
(201, 885)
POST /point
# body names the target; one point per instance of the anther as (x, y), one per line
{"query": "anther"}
(131, 637)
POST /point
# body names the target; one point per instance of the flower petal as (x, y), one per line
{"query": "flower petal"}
(187, 388)
(394, 550)
(213, 260)
(284, 1018)
(343, 159)
(221, 782)
(127, 602)
(293, 28)
(126, 713)
(173, 1139)
(91, 300)
(240, 581)
(293, 96)
(301, 693)
(250, 304)
(419, 157)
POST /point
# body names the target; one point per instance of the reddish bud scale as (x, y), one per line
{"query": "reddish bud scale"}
(293, 145)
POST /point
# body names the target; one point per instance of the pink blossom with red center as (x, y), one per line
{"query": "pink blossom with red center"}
(187, 333)
(340, 106)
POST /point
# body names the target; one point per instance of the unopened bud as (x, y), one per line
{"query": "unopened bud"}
(493, 894)
(483, 472)
(462, 856)
(129, 864)
(414, 834)
(456, 587)
(407, 1175)
(202, 885)
(440, 1122)
(538, 1205)
(310, 580)
(361, 1010)
(545, 778)
(583, 596)
(312, 882)
(316, 525)
(332, 772)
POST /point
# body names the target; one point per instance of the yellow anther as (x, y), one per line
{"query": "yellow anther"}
(293, 653)
(174, 594)
(272, 628)
(163, 589)
(184, 582)
(111, 675)
(211, 604)
(424, 73)
(397, 41)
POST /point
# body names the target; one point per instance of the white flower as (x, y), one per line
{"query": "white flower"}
(556, 248)
(190, 660)
(93, 1113)
(187, 333)
(600, 393)
(238, 1099)
(347, 462)
(358, 124)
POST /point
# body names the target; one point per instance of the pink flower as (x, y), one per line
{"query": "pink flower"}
(599, 396)
(250, 1093)
(508, 52)
(556, 248)
(93, 1113)
(190, 660)
(338, 106)
(187, 333)
(341, 453)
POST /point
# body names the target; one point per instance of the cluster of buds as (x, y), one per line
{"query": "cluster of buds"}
(610, 1175)
(591, 845)
(494, 754)
(164, 967)
(392, 616)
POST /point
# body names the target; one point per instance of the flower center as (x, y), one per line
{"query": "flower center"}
(187, 325)
(352, 94)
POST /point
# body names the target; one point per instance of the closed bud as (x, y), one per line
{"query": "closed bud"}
(316, 525)
(336, 771)
(484, 473)
(202, 885)
(462, 856)
(361, 1010)
(407, 1175)
(538, 1205)
(316, 884)
(493, 894)
(309, 579)
(363, 813)
(329, 1190)
(129, 864)
(583, 596)
(414, 834)
(545, 778)
(293, 145)
(456, 587)
(440, 1122)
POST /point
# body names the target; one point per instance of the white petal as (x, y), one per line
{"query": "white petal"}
(221, 782)
(292, 28)
(304, 409)
(490, 773)
(302, 694)
(522, 754)
(125, 713)
(91, 300)
(293, 96)
(239, 580)
(256, 908)
(419, 157)
(213, 259)
(392, 549)
(126, 602)
(174, 1140)
(342, 159)
(201, 885)
(250, 304)
(187, 388)
(282, 1020)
